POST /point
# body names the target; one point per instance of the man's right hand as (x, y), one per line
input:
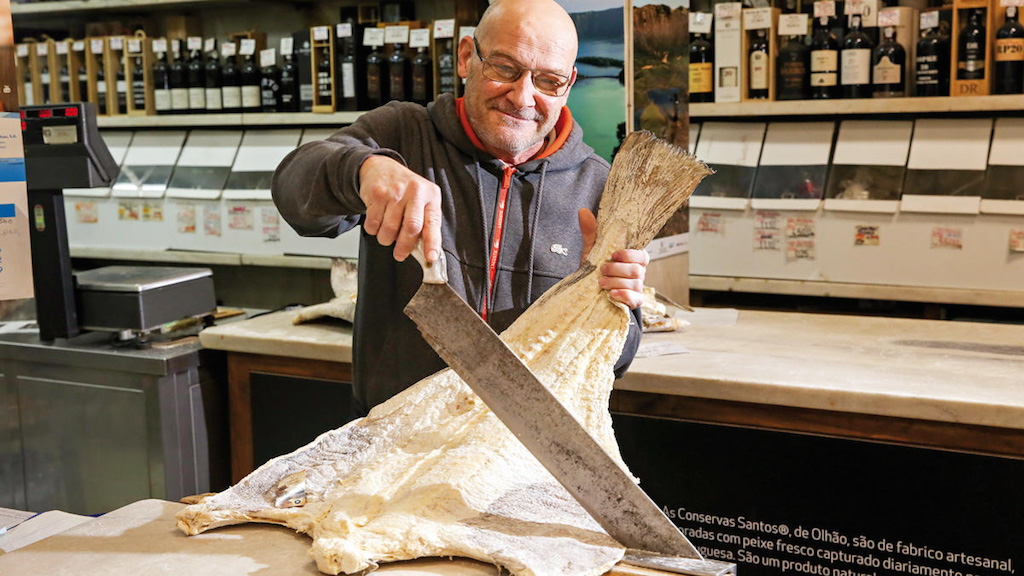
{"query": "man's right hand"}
(401, 206)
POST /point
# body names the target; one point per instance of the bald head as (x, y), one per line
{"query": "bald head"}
(543, 22)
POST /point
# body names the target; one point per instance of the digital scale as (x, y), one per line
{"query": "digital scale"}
(63, 149)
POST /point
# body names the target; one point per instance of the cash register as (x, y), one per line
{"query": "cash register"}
(63, 149)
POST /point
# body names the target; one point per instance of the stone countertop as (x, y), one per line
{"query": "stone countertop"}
(274, 334)
(959, 372)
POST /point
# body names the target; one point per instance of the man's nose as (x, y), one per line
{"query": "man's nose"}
(523, 91)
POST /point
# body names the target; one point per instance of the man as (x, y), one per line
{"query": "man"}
(501, 180)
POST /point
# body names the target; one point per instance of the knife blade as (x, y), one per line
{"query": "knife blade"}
(539, 420)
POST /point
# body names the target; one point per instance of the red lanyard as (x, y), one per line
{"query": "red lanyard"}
(499, 225)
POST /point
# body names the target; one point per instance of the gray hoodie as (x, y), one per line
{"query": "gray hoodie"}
(316, 188)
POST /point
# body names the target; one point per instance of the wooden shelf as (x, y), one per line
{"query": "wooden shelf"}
(64, 7)
(973, 104)
(202, 120)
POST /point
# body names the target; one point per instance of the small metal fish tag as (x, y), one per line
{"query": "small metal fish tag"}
(290, 492)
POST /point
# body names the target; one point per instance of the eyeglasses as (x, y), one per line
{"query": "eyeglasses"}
(504, 70)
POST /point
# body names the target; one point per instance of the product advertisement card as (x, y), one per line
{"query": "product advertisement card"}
(15, 244)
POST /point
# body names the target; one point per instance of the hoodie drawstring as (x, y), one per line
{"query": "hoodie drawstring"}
(535, 217)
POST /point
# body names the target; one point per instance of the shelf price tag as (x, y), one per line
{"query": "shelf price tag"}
(825, 9)
(209, 45)
(134, 46)
(96, 45)
(78, 46)
(419, 38)
(444, 29)
(160, 45)
(929, 20)
(851, 7)
(466, 31)
(1017, 3)
(396, 35)
(373, 37)
(22, 50)
(757, 19)
(194, 43)
(117, 43)
(287, 45)
(228, 49)
(268, 58)
(42, 49)
(700, 22)
(888, 18)
(793, 24)
(321, 33)
(728, 10)
(343, 30)
(62, 48)
(248, 47)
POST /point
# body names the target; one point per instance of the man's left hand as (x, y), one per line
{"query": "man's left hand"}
(623, 275)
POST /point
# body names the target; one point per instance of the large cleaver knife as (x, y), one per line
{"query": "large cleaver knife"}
(548, 430)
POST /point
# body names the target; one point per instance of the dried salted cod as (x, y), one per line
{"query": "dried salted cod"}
(432, 472)
(344, 283)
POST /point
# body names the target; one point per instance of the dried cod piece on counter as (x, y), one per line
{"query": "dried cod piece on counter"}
(432, 472)
(658, 313)
(345, 284)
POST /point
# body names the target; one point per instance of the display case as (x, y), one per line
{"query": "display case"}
(322, 64)
(966, 79)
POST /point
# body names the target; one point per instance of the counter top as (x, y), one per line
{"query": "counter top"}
(274, 334)
(169, 354)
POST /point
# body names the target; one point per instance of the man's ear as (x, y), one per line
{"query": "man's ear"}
(466, 50)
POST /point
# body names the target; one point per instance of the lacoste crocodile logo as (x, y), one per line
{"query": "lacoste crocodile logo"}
(559, 249)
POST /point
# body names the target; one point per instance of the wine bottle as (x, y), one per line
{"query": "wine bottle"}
(231, 80)
(702, 70)
(890, 66)
(971, 48)
(196, 76)
(65, 81)
(122, 88)
(161, 82)
(138, 84)
(757, 84)
(250, 75)
(83, 79)
(347, 97)
(422, 77)
(270, 81)
(324, 78)
(178, 76)
(398, 74)
(44, 75)
(792, 72)
(101, 88)
(824, 61)
(1009, 55)
(932, 64)
(375, 78)
(855, 76)
(289, 78)
(446, 69)
(212, 78)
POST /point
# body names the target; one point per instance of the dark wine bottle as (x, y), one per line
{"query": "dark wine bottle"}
(44, 76)
(346, 97)
(250, 75)
(855, 75)
(792, 70)
(212, 78)
(178, 76)
(231, 80)
(122, 88)
(890, 66)
(324, 77)
(398, 74)
(161, 83)
(101, 87)
(270, 81)
(289, 84)
(1009, 55)
(932, 64)
(196, 77)
(83, 78)
(446, 69)
(970, 63)
(702, 70)
(758, 58)
(138, 84)
(375, 78)
(422, 77)
(65, 81)
(824, 61)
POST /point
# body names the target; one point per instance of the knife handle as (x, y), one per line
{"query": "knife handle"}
(435, 272)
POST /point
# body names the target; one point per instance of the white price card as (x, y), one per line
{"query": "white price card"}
(757, 19)
(175, 45)
(78, 46)
(23, 50)
(268, 58)
(194, 43)
(825, 9)
(373, 37)
(419, 38)
(444, 28)
(209, 45)
(96, 45)
(466, 31)
(793, 24)
(929, 20)
(62, 48)
(343, 30)
(160, 45)
(321, 33)
(117, 43)
(700, 22)
(227, 49)
(853, 7)
(42, 49)
(287, 45)
(888, 18)
(134, 46)
(1017, 3)
(248, 47)
(396, 35)
(728, 10)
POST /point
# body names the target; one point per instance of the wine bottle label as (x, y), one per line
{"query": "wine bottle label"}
(306, 92)
(758, 70)
(702, 76)
(1009, 50)
(101, 87)
(138, 95)
(197, 98)
(348, 80)
(213, 99)
(886, 72)
(162, 99)
(856, 67)
(29, 95)
(179, 98)
(232, 96)
(122, 86)
(824, 65)
(927, 70)
(250, 96)
(323, 86)
(446, 76)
